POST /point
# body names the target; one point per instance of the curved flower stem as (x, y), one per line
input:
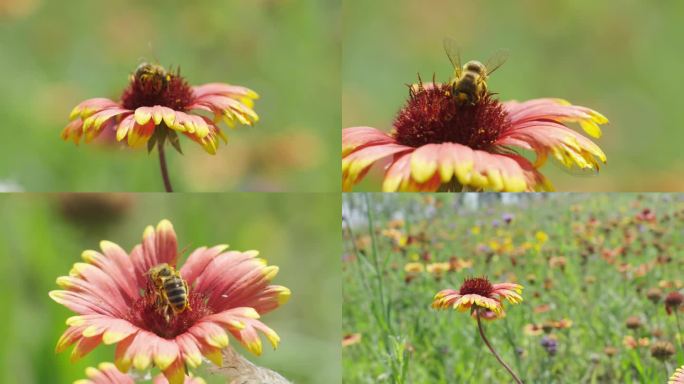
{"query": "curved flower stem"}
(680, 336)
(164, 170)
(498, 358)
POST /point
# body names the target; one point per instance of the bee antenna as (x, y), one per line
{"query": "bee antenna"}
(151, 48)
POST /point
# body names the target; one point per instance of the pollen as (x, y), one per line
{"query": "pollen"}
(432, 116)
(170, 90)
(477, 286)
(145, 314)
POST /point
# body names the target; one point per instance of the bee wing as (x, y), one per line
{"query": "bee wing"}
(496, 60)
(453, 53)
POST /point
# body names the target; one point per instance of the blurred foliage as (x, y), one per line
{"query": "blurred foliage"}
(617, 57)
(587, 262)
(41, 236)
(58, 53)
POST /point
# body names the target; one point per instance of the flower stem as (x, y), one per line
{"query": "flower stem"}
(498, 358)
(451, 186)
(679, 328)
(164, 170)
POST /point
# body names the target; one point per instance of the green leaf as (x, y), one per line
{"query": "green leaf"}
(151, 142)
(175, 142)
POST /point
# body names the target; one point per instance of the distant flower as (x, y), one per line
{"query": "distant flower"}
(558, 262)
(351, 339)
(435, 144)
(484, 301)
(116, 304)
(558, 324)
(159, 101)
(673, 301)
(550, 344)
(541, 237)
(414, 267)
(542, 308)
(654, 295)
(438, 270)
(487, 314)
(107, 373)
(669, 284)
(476, 293)
(610, 351)
(631, 343)
(646, 215)
(533, 329)
(633, 322)
(662, 350)
(159, 104)
(457, 265)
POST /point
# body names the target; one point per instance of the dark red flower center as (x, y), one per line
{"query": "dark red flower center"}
(156, 86)
(674, 299)
(147, 314)
(476, 286)
(433, 116)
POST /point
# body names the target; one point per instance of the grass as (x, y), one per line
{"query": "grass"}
(578, 274)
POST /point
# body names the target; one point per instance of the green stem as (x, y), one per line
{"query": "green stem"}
(451, 186)
(164, 169)
(496, 355)
(679, 328)
(376, 262)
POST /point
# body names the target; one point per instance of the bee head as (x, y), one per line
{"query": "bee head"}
(151, 77)
(475, 66)
(146, 68)
(160, 271)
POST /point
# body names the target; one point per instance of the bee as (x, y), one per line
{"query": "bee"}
(171, 290)
(469, 84)
(152, 76)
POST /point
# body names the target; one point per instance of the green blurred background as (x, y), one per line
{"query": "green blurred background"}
(41, 236)
(618, 57)
(55, 54)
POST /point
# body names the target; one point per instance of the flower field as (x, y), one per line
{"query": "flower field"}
(601, 279)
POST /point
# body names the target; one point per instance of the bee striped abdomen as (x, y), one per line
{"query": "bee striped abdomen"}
(176, 293)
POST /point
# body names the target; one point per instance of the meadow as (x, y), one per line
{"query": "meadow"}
(596, 269)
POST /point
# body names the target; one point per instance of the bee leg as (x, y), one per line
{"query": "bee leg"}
(187, 293)
(167, 316)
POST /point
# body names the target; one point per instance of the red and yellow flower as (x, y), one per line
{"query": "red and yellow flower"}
(107, 373)
(165, 106)
(436, 144)
(478, 293)
(111, 295)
